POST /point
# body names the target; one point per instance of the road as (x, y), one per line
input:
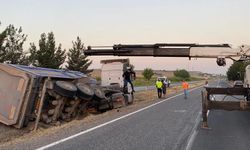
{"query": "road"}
(167, 125)
(170, 124)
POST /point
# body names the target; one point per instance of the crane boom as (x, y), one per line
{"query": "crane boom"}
(191, 50)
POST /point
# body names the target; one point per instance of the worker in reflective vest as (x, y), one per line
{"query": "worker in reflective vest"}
(185, 88)
(159, 85)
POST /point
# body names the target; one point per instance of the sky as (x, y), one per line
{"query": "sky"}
(108, 22)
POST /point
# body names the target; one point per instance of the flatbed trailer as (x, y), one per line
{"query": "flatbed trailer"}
(209, 101)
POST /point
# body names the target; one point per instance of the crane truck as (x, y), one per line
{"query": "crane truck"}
(220, 52)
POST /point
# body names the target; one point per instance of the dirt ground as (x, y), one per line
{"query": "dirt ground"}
(142, 99)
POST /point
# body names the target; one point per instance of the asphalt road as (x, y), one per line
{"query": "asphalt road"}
(229, 131)
(167, 125)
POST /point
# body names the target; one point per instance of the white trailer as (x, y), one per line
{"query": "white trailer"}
(112, 71)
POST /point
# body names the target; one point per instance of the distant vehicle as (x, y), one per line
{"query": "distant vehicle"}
(162, 78)
(165, 79)
(238, 83)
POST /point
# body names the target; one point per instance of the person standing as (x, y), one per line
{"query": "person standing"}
(185, 88)
(127, 76)
(169, 82)
(206, 84)
(159, 85)
(164, 87)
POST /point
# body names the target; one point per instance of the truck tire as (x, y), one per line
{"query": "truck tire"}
(129, 99)
(98, 94)
(84, 91)
(118, 100)
(65, 88)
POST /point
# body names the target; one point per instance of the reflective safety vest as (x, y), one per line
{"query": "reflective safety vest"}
(158, 84)
(185, 85)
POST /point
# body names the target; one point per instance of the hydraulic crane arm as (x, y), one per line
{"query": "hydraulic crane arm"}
(219, 51)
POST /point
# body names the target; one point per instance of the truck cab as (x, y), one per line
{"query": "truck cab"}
(112, 80)
(112, 71)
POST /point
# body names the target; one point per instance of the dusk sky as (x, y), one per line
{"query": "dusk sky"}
(108, 22)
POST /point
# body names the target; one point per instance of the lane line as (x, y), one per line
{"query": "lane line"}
(109, 122)
(194, 132)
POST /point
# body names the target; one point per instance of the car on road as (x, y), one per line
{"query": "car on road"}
(238, 83)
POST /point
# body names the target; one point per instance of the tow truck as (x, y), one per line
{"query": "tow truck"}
(220, 52)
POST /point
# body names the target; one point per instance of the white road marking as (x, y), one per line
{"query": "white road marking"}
(193, 133)
(194, 130)
(109, 122)
(180, 111)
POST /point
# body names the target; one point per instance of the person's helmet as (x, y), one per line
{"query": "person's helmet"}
(128, 68)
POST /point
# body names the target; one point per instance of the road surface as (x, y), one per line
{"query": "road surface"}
(167, 124)
(164, 126)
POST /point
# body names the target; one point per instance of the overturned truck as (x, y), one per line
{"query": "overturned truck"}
(32, 95)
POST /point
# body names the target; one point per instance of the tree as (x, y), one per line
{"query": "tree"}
(184, 74)
(148, 73)
(76, 60)
(2, 37)
(11, 45)
(237, 70)
(48, 55)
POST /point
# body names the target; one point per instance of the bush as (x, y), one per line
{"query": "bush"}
(148, 73)
(184, 74)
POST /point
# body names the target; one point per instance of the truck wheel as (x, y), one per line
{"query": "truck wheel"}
(98, 94)
(84, 91)
(129, 99)
(65, 88)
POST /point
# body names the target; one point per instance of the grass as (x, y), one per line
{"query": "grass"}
(140, 81)
(178, 79)
(98, 78)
